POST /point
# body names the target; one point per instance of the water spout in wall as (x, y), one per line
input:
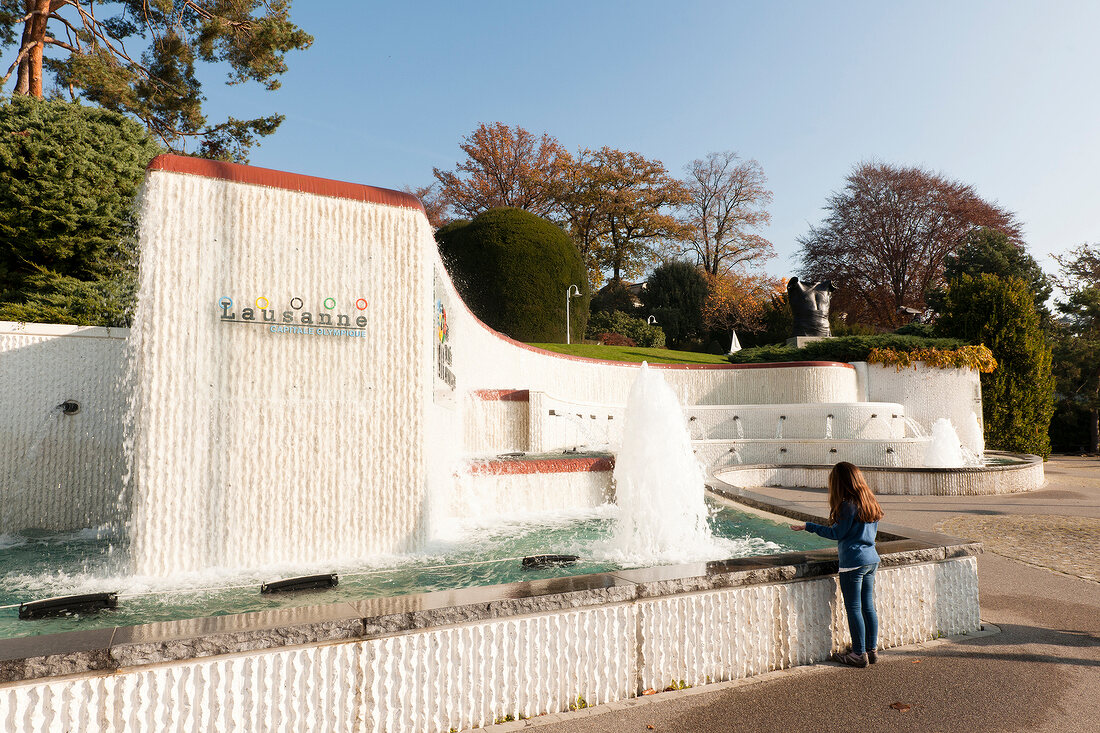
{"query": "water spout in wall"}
(915, 429)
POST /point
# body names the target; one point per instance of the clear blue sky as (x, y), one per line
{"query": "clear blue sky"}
(1002, 95)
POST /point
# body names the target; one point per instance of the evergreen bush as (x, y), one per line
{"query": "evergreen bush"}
(674, 295)
(636, 329)
(512, 269)
(1018, 397)
(68, 177)
(842, 348)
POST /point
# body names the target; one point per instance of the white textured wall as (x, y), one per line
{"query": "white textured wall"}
(938, 482)
(475, 674)
(60, 472)
(485, 360)
(253, 447)
(928, 394)
(486, 495)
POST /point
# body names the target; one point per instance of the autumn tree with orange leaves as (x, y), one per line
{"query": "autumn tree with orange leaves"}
(737, 300)
(435, 206)
(886, 237)
(634, 214)
(504, 166)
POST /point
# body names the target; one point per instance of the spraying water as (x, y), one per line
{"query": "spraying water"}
(914, 428)
(658, 483)
(740, 428)
(828, 427)
(945, 450)
(971, 434)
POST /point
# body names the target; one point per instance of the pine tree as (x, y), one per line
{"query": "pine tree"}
(68, 178)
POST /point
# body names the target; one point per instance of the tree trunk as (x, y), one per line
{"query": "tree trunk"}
(1094, 431)
(29, 80)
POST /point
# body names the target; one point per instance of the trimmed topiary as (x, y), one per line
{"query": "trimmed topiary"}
(512, 269)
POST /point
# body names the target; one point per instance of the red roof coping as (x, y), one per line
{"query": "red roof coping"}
(502, 395)
(501, 467)
(280, 179)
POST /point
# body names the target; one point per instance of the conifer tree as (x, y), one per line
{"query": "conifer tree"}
(1018, 396)
(68, 177)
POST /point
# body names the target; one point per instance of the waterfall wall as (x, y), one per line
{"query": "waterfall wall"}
(60, 471)
(280, 361)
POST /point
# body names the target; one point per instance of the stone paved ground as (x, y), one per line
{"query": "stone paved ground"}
(1069, 545)
(1041, 672)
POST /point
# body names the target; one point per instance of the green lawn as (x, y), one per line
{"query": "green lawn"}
(633, 353)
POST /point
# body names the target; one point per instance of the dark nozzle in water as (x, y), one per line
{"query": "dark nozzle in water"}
(69, 407)
(546, 561)
(305, 582)
(68, 605)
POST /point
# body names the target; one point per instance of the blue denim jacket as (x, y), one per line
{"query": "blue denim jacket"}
(855, 539)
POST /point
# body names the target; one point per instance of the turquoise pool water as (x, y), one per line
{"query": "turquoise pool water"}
(36, 565)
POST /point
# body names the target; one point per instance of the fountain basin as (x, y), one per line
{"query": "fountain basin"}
(469, 657)
(1004, 473)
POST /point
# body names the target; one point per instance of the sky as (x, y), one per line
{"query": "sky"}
(1000, 95)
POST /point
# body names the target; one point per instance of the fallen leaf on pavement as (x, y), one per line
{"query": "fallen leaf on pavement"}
(649, 691)
(651, 727)
(899, 706)
(915, 661)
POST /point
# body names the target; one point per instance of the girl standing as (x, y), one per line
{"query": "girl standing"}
(854, 513)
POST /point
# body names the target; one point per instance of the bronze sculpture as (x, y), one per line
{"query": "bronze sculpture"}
(810, 307)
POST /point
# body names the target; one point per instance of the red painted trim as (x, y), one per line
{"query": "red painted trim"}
(501, 467)
(502, 395)
(280, 179)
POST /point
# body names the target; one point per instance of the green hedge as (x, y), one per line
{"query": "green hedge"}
(512, 268)
(842, 348)
(636, 329)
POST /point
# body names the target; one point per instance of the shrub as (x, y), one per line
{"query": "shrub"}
(615, 339)
(1018, 397)
(842, 348)
(513, 268)
(674, 295)
(926, 330)
(68, 177)
(638, 330)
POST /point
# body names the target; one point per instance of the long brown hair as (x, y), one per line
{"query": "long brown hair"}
(846, 483)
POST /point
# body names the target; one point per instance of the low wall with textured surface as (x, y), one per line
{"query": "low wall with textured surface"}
(459, 667)
(1026, 474)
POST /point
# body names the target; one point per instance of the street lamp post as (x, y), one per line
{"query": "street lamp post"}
(570, 292)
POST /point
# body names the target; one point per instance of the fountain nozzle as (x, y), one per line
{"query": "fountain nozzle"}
(69, 407)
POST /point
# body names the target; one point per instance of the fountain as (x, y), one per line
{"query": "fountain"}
(659, 484)
(300, 385)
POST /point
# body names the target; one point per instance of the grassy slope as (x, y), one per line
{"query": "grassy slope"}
(636, 354)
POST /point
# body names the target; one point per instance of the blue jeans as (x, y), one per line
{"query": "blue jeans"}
(858, 588)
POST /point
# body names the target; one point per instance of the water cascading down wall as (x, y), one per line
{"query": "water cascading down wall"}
(280, 364)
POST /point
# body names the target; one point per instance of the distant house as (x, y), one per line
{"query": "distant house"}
(634, 290)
